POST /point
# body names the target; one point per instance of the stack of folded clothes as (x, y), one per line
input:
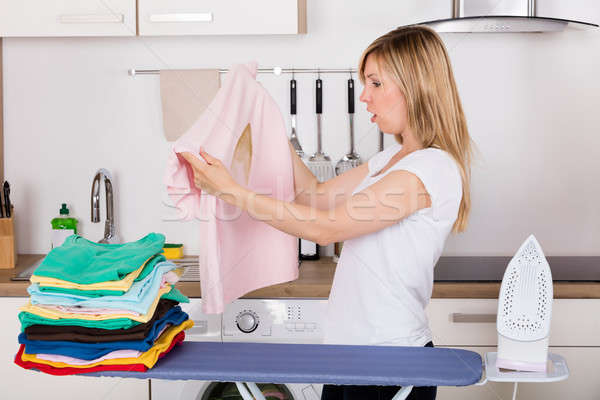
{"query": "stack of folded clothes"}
(99, 307)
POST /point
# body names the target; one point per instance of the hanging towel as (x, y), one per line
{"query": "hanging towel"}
(244, 128)
(184, 95)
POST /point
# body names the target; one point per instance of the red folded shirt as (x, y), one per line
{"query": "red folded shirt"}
(72, 371)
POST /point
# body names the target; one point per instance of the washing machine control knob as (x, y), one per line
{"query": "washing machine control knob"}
(247, 321)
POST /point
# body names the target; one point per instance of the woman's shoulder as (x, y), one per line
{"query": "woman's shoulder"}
(433, 162)
(433, 156)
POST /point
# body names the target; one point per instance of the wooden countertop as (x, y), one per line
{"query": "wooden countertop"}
(315, 282)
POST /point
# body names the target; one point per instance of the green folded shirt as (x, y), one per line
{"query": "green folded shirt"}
(28, 319)
(82, 261)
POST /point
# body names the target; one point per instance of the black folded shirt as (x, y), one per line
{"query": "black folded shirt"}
(82, 334)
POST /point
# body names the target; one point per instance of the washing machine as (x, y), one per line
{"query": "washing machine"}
(249, 320)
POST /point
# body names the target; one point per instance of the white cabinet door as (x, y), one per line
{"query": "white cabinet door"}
(19, 383)
(582, 383)
(221, 17)
(472, 322)
(67, 18)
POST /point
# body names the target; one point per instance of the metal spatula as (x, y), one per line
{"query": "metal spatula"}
(351, 159)
(293, 138)
(319, 163)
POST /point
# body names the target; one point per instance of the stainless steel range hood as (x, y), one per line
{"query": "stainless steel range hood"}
(501, 16)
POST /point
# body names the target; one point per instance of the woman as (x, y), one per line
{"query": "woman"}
(394, 213)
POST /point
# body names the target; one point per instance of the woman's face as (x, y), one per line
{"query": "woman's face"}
(383, 99)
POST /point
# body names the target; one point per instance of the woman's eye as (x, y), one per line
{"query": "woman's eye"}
(376, 84)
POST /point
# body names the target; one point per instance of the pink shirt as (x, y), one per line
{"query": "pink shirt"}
(238, 253)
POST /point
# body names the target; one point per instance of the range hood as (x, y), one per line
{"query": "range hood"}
(501, 16)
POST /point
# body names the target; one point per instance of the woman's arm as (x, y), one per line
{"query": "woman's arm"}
(327, 195)
(392, 198)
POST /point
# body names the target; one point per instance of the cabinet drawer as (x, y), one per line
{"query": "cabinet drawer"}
(471, 322)
(67, 18)
(221, 17)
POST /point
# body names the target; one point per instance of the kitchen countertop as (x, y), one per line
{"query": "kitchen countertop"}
(316, 277)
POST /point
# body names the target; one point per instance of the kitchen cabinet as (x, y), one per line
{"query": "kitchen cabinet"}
(221, 17)
(582, 383)
(38, 18)
(470, 324)
(19, 383)
(67, 18)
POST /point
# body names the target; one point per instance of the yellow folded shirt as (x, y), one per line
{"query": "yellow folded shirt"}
(148, 358)
(56, 314)
(124, 284)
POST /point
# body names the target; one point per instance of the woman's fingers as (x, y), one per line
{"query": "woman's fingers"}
(189, 157)
(193, 160)
(207, 157)
(210, 176)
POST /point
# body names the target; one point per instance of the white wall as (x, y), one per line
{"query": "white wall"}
(532, 103)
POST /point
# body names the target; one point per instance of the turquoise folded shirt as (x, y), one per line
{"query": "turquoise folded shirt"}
(82, 261)
(104, 292)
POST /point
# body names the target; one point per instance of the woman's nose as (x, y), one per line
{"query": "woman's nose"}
(364, 95)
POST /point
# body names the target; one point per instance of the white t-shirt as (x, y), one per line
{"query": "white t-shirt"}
(384, 279)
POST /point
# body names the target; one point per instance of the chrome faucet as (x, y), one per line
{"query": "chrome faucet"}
(109, 227)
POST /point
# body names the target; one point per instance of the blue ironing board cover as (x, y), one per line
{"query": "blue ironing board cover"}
(314, 363)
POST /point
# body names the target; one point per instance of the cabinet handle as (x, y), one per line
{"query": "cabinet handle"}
(91, 18)
(183, 17)
(460, 318)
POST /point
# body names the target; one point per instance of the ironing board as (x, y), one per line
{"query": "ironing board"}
(314, 363)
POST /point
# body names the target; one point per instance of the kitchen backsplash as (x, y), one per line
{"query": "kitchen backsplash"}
(531, 102)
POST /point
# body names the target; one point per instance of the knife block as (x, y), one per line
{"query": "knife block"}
(8, 250)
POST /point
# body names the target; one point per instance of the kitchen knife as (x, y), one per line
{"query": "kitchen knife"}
(1, 208)
(7, 198)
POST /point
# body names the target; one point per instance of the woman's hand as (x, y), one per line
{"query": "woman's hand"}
(211, 175)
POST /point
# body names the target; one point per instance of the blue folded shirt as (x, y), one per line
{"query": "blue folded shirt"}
(138, 298)
(91, 351)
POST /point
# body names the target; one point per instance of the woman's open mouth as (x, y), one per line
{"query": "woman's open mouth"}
(373, 117)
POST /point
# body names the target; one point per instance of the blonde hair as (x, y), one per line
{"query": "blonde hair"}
(416, 59)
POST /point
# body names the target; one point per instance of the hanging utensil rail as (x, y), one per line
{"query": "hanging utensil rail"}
(274, 70)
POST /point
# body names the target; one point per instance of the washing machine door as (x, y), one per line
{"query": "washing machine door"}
(229, 391)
